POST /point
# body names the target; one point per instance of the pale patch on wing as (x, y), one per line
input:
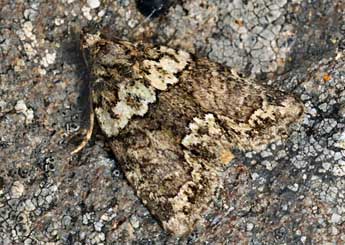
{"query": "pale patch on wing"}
(163, 72)
(265, 125)
(180, 223)
(209, 136)
(133, 100)
(109, 125)
(141, 95)
(158, 77)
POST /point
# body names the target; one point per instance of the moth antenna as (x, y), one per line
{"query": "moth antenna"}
(145, 20)
(153, 12)
(88, 132)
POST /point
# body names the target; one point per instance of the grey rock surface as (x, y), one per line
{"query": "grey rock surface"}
(292, 192)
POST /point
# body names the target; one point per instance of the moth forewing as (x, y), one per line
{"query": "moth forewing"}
(172, 122)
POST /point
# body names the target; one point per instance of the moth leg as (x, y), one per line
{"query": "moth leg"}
(88, 134)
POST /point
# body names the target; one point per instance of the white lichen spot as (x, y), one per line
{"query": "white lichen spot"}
(3, 105)
(41, 71)
(48, 59)
(21, 107)
(340, 143)
(27, 29)
(26, 34)
(29, 206)
(29, 116)
(134, 222)
(101, 13)
(17, 189)
(58, 21)
(93, 3)
(293, 187)
(133, 100)
(339, 169)
(86, 12)
(19, 64)
(29, 50)
(336, 218)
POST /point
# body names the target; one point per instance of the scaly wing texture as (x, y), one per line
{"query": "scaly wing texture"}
(172, 122)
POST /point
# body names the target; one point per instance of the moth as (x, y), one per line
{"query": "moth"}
(172, 121)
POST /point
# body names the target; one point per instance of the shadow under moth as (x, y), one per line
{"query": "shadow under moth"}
(172, 121)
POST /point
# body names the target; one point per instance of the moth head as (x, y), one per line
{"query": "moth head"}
(101, 52)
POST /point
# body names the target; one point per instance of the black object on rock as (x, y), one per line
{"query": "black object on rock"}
(153, 8)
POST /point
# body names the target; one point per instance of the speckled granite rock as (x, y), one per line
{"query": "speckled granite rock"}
(291, 192)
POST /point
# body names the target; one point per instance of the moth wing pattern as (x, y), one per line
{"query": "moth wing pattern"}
(172, 121)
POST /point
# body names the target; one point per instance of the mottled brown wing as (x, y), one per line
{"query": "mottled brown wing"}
(173, 157)
(252, 115)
